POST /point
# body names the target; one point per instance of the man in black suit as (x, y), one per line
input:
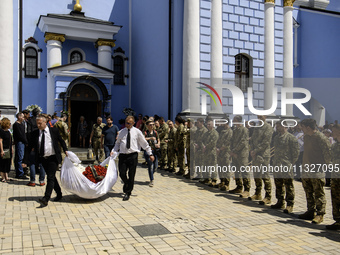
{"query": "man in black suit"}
(45, 143)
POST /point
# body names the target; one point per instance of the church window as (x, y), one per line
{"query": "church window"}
(243, 71)
(75, 57)
(120, 67)
(31, 63)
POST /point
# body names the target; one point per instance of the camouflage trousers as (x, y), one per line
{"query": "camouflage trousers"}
(187, 153)
(180, 157)
(285, 187)
(209, 170)
(63, 155)
(198, 162)
(96, 147)
(224, 162)
(242, 178)
(335, 192)
(260, 177)
(315, 194)
(164, 154)
(171, 157)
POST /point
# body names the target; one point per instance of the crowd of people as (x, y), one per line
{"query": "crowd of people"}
(199, 150)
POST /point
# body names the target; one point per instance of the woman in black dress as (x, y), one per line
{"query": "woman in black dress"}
(5, 143)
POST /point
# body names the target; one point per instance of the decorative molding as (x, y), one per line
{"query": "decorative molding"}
(55, 37)
(105, 42)
(288, 3)
(31, 40)
(269, 1)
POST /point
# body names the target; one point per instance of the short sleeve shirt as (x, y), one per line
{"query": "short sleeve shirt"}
(110, 134)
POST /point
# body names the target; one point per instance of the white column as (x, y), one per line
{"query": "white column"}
(288, 53)
(105, 52)
(6, 60)
(191, 57)
(216, 61)
(54, 46)
(269, 53)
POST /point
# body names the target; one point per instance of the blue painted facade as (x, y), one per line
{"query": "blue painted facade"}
(156, 55)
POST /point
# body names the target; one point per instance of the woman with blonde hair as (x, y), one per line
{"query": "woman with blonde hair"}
(6, 149)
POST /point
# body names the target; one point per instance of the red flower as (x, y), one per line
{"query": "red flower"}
(101, 171)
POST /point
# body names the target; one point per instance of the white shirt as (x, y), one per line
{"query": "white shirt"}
(137, 140)
(48, 148)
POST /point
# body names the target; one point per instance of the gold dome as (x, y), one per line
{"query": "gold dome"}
(77, 7)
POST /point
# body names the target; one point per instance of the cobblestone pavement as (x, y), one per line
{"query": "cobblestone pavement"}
(176, 216)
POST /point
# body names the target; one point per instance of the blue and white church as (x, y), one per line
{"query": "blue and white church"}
(91, 58)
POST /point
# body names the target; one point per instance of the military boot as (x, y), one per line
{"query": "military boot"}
(187, 176)
(220, 185)
(318, 219)
(236, 190)
(256, 196)
(205, 181)
(265, 201)
(334, 226)
(309, 215)
(289, 209)
(245, 193)
(280, 204)
(180, 172)
(213, 183)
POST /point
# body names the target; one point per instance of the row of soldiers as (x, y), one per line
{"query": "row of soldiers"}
(206, 148)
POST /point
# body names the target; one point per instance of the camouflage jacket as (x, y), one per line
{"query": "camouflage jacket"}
(189, 132)
(163, 133)
(180, 136)
(317, 150)
(198, 137)
(286, 149)
(223, 142)
(97, 130)
(63, 129)
(336, 160)
(172, 137)
(239, 141)
(209, 140)
(261, 139)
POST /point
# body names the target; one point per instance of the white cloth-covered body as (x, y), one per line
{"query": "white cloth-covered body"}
(73, 180)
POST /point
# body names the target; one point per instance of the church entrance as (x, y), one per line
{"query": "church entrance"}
(83, 101)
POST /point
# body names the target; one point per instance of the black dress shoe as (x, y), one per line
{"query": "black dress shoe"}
(58, 198)
(126, 197)
(43, 202)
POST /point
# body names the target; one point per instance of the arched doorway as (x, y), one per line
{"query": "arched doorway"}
(86, 96)
(83, 101)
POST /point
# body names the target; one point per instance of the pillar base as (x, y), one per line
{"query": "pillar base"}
(8, 111)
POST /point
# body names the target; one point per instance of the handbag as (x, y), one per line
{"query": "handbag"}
(90, 153)
(7, 154)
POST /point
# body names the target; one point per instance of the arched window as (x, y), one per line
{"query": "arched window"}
(120, 67)
(243, 71)
(119, 70)
(31, 63)
(75, 57)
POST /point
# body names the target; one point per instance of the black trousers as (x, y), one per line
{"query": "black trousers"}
(127, 170)
(50, 165)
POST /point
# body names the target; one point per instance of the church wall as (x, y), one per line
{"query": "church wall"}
(318, 58)
(243, 32)
(150, 57)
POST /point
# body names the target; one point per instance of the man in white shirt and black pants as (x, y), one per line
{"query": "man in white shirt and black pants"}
(128, 143)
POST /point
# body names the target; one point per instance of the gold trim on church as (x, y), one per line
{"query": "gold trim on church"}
(269, 1)
(55, 37)
(288, 3)
(105, 42)
(77, 7)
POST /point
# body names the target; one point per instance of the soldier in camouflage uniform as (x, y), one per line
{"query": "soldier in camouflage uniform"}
(260, 154)
(198, 146)
(171, 146)
(239, 151)
(223, 157)
(317, 150)
(95, 138)
(335, 183)
(209, 154)
(191, 129)
(163, 133)
(64, 132)
(286, 154)
(180, 144)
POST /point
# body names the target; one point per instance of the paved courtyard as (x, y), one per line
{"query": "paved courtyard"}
(176, 216)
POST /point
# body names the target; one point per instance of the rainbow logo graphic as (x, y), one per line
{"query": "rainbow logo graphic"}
(209, 93)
